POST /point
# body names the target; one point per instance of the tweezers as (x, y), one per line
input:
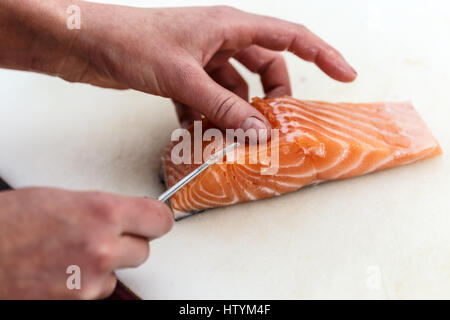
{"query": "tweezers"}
(211, 160)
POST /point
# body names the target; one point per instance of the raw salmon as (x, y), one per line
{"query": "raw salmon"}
(317, 141)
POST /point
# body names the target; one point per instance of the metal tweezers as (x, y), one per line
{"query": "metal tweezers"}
(180, 184)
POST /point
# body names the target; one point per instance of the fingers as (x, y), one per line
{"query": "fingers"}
(131, 252)
(108, 286)
(144, 217)
(225, 75)
(228, 77)
(186, 115)
(275, 34)
(270, 66)
(220, 105)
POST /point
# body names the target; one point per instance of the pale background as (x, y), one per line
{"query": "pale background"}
(384, 235)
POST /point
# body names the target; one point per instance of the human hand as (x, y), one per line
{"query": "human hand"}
(43, 231)
(183, 53)
(180, 53)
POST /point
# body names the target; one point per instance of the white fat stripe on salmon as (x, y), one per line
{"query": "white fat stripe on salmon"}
(318, 141)
(369, 126)
(382, 132)
(356, 165)
(213, 199)
(334, 126)
(330, 133)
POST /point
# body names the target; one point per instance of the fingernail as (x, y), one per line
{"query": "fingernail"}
(263, 132)
(348, 73)
(253, 123)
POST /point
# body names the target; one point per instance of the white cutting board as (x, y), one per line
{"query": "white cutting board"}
(385, 235)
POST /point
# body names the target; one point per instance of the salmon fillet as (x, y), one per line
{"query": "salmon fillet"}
(317, 141)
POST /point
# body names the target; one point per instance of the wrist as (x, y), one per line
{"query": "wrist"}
(42, 36)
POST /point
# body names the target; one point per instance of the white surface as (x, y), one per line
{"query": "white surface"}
(384, 235)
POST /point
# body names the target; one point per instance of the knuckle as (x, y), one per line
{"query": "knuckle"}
(278, 58)
(225, 106)
(103, 255)
(296, 29)
(103, 206)
(184, 70)
(183, 73)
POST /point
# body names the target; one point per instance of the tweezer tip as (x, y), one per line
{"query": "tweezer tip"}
(220, 154)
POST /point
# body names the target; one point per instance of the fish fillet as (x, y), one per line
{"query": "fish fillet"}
(317, 141)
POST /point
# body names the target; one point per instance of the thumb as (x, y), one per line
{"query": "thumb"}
(221, 106)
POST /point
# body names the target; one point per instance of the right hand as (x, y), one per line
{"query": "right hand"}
(44, 230)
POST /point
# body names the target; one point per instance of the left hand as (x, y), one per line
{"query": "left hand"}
(179, 53)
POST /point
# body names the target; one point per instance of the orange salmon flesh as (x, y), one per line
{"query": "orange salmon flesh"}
(317, 141)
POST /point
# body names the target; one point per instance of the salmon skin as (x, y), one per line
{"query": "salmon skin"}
(317, 141)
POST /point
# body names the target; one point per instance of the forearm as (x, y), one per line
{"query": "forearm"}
(34, 35)
(32, 32)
